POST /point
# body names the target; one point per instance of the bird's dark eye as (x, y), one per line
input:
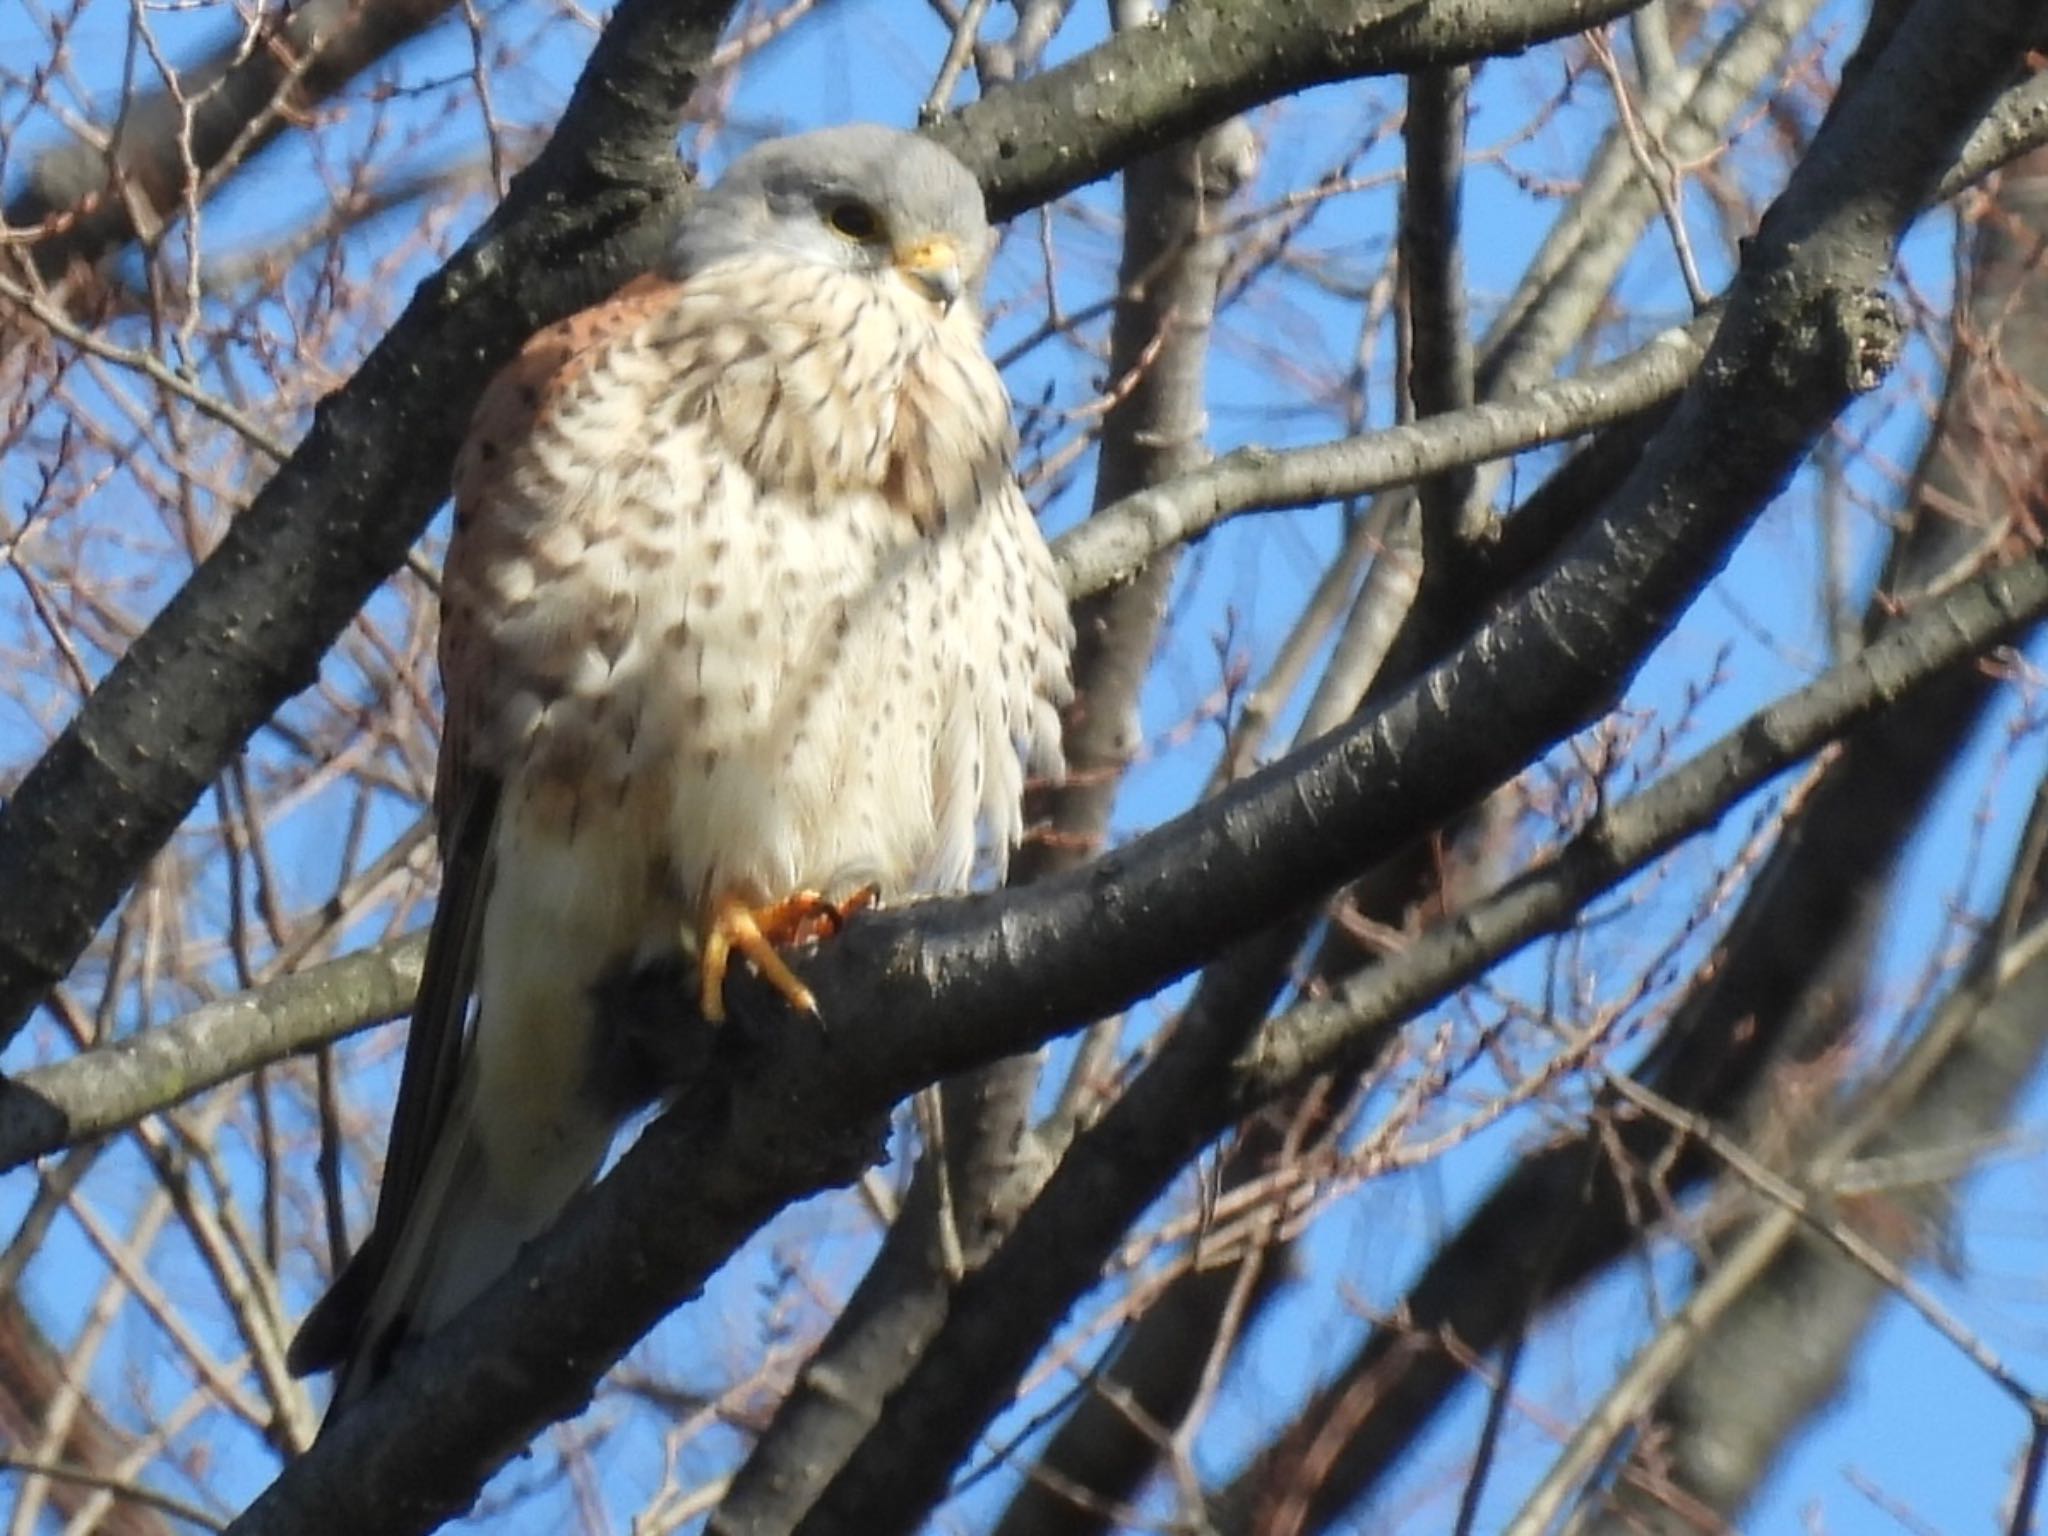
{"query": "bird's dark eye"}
(856, 221)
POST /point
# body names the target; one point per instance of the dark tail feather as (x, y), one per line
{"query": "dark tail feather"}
(332, 1335)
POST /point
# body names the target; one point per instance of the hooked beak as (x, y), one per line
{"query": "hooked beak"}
(932, 266)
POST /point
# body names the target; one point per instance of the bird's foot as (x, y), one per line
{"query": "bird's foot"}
(828, 917)
(734, 926)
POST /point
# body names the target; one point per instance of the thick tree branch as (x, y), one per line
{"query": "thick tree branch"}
(1812, 273)
(249, 628)
(1207, 60)
(1345, 1030)
(1782, 988)
(1166, 298)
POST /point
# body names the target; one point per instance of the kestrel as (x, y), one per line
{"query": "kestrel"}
(744, 617)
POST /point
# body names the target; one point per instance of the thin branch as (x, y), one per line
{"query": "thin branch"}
(1433, 270)
(103, 1090)
(1118, 541)
(1815, 1213)
(965, 31)
(1659, 1360)
(125, 1488)
(1571, 275)
(250, 626)
(1656, 165)
(2028, 1493)
(152, 367)
(83, 202)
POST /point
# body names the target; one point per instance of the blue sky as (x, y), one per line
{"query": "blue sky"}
(1917, 1423)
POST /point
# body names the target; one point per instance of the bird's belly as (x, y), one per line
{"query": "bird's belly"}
(759, 690)
(801, 728)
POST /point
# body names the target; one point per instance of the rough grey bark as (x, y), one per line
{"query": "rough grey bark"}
(1725, 1419)
(1166, 297)
(2016, 124)
(249, 628)
(1784, 985)
(1117, 542)
(1208, 60)
(1813, 270)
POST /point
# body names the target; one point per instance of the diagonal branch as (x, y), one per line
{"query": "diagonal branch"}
(1805, 330)
(1817, 260)
(98, 1091)
(1117, 541)
(249, 629)
(241, 98)
(1166, 297)
(1207, 60)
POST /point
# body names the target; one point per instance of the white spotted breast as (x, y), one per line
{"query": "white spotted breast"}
(753, 584)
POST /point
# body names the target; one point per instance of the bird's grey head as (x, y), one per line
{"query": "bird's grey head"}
(862, 198)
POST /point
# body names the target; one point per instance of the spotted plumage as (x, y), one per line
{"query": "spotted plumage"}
(743, 603)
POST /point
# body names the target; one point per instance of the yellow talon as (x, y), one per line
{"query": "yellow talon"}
(753, 932)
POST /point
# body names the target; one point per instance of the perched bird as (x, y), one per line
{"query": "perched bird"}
(745, 619)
